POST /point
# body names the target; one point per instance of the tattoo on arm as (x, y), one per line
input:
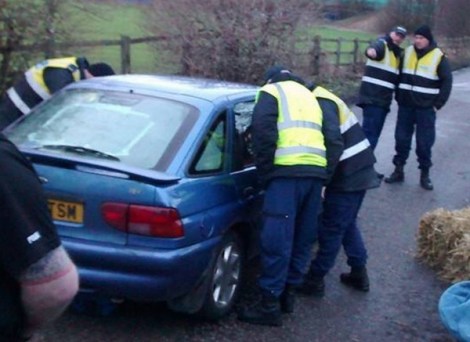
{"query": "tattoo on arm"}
(53, 262)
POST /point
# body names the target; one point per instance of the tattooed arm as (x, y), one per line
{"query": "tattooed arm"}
(47, 288)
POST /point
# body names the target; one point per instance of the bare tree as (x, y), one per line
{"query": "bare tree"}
(230, 39)
(452, 18)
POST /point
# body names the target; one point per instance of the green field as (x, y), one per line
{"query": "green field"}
(110, 22)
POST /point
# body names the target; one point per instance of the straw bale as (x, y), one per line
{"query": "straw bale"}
(443, 243)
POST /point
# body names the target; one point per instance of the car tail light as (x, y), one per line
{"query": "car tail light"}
(143, 220)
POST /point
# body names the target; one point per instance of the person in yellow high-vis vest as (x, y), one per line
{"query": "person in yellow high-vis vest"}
(424, 87)
(291, 157)
(44, 79)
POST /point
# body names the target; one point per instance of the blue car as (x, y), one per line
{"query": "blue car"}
(151, 184)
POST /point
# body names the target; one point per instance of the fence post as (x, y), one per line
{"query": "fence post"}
(338, 52)
(315, 55)
(125, 54)
(355, 54)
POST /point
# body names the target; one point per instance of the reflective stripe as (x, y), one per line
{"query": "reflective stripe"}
(378, 82)
(35, 86)
(285, 151)
(17, 101)
(298, 124)
(351, 121)
(382, 66)
(288, 122)
(422, 74)
(418, 89)
(355, 149)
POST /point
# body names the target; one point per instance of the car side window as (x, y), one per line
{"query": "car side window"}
(243, 117)
(211, 154)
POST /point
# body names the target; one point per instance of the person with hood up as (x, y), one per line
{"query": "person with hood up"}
(424, 88)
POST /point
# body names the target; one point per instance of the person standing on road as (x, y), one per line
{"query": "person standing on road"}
(37, 278)
(424, 88)
(44, 79)
(379, 82)
(343, 198)
(290, 156)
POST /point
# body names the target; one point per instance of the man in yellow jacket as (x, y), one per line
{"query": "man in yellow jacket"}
(44, 79)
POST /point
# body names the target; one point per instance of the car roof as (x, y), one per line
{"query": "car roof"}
(208, 89)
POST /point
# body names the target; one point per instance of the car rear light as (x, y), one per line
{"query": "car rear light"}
(143, 220)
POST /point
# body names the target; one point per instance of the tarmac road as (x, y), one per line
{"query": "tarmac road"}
(402, 303)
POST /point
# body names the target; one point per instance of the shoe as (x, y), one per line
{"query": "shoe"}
(265, 312)
(357, 279)
(425, 181)
(287, 299)
(312, 286)
(397, 175)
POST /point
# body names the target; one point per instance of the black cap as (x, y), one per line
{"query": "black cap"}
(274, 71)
(425, 31)
(400, 30)
(101, 69)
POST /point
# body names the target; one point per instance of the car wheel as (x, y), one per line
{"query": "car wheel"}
(225, 279)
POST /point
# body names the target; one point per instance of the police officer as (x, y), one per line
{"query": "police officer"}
(291, 159)
(44, 79)
(379, 82)
(424, 88)
(343, 198)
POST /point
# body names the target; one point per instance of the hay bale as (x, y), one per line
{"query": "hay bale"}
(444, 243)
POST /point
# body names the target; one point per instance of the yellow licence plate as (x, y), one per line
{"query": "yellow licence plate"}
(66, 211)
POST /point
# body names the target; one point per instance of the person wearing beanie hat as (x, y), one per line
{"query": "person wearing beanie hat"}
(42, 80)
(424, 88)
(425, 31)
(289, 146)
(379, 81)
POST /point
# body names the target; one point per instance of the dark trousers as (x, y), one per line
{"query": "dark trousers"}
(289, 230)
(425, 122)
(373, 119)
(339, 227)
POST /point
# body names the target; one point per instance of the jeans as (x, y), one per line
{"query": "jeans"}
(425, 122)
(373, 119)
(339, 227)
(289, 230)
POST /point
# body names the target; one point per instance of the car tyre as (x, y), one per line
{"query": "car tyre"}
(226, 278)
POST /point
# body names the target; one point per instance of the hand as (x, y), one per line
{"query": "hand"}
(371, 53)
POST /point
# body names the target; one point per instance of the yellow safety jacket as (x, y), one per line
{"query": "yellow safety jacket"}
(356, 151)
(300, 139)
(419, 76)
(31, 88)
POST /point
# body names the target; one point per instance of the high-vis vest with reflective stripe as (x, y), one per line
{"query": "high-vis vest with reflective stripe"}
(419, 76)
(300, 139)
(31, 88)
(357, 152)
(381, 77)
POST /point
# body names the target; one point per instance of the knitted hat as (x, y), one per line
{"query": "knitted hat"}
(425, 31)
(400, 30)
(101, 69)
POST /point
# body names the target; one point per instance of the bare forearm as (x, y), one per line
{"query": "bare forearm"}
(47, 288)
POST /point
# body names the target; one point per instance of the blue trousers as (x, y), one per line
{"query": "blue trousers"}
(339, 227)
(373, 119)
(289, 230)
(425, 122)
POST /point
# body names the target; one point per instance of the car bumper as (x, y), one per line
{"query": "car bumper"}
(141, 274)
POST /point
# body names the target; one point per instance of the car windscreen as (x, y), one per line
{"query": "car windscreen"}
(137, 130)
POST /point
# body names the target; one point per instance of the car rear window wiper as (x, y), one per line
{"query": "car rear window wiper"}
(80, 150)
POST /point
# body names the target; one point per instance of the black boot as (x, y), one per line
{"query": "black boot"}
(287, 299)
(312, 286)
(397, 175)
(266, 312)
(357, 279)
(425, 181)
